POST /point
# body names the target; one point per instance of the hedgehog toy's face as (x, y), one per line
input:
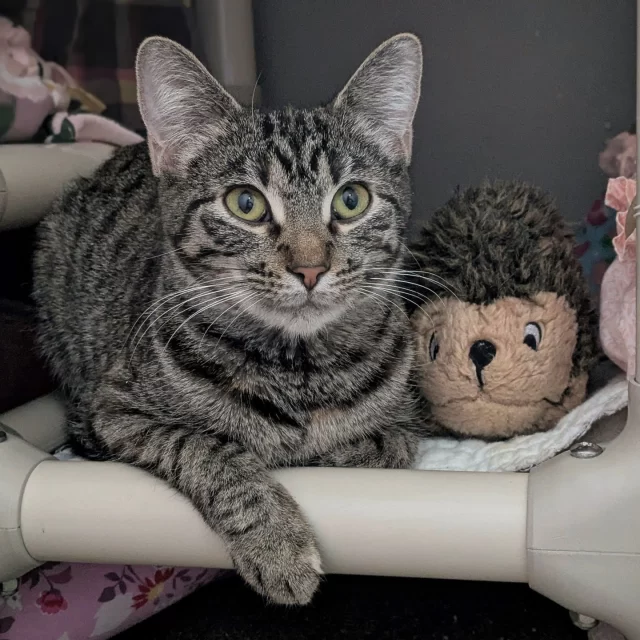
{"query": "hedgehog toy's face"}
(498, 370)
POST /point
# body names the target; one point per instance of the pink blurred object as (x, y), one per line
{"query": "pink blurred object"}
(89, 126)
(618, 292)
(620, 195)
(619, 156)
(30, 88)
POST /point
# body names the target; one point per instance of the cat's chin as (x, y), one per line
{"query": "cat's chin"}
(300, 321)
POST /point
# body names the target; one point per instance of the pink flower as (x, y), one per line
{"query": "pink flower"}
(51, 602)
(151, 590)
(619, 196)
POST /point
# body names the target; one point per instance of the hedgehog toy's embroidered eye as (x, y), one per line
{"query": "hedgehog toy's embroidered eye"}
(532, 335)
(434, 347)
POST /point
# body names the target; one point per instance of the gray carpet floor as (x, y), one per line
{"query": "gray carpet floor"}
(354, 608)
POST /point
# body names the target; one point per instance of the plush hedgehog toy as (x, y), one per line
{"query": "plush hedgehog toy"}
(506, 333)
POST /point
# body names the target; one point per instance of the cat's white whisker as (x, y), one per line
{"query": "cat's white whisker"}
(175, 308)
(215, 319)
(374, 291)
(410, 286)
(210, 291)
(229, 325)
(379, 300)
(253, 96)
(433, 278)
(230, 296)
(400, 295)
(162, 300)
(186, 302)
(413, 255)
(166, 253)
(248, 296)
(151, 308)
(419, 297)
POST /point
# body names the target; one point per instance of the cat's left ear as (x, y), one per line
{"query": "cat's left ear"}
(183, 107)
(382, 95)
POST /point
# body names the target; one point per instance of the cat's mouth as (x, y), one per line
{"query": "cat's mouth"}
(291, 301)
(300, 315)
(301, 304)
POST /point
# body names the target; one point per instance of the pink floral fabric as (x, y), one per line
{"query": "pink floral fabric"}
(59, 601)
(618, 293)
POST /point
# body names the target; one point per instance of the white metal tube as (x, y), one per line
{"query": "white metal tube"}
(40, 422)
(32, 175)
(376, 522)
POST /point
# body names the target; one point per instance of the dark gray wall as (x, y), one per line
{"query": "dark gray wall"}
(524, 89)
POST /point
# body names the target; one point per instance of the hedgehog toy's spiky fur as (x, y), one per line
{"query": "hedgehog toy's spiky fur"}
(507, 239)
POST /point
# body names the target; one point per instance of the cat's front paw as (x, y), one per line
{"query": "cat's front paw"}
(282, 563)
(393, 449)
(398, 451)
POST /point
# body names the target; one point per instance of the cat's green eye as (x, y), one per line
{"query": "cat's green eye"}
(248, 204)
(350, 201)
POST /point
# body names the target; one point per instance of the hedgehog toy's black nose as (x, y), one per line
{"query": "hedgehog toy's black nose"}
(482, 352)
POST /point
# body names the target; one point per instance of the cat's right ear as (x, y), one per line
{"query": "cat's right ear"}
(382, 95)
(183, 107)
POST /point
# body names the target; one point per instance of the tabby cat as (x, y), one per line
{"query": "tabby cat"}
(225, 298)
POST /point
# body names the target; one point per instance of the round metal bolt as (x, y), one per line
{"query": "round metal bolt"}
(3, 435)
(586, 450)
(582, 622)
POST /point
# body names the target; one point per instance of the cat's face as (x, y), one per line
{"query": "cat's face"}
(296, 215)
(295, 212)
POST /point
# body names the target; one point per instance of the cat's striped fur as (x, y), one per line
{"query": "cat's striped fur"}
(186, 345)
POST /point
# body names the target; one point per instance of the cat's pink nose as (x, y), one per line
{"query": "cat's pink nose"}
(310, 275)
